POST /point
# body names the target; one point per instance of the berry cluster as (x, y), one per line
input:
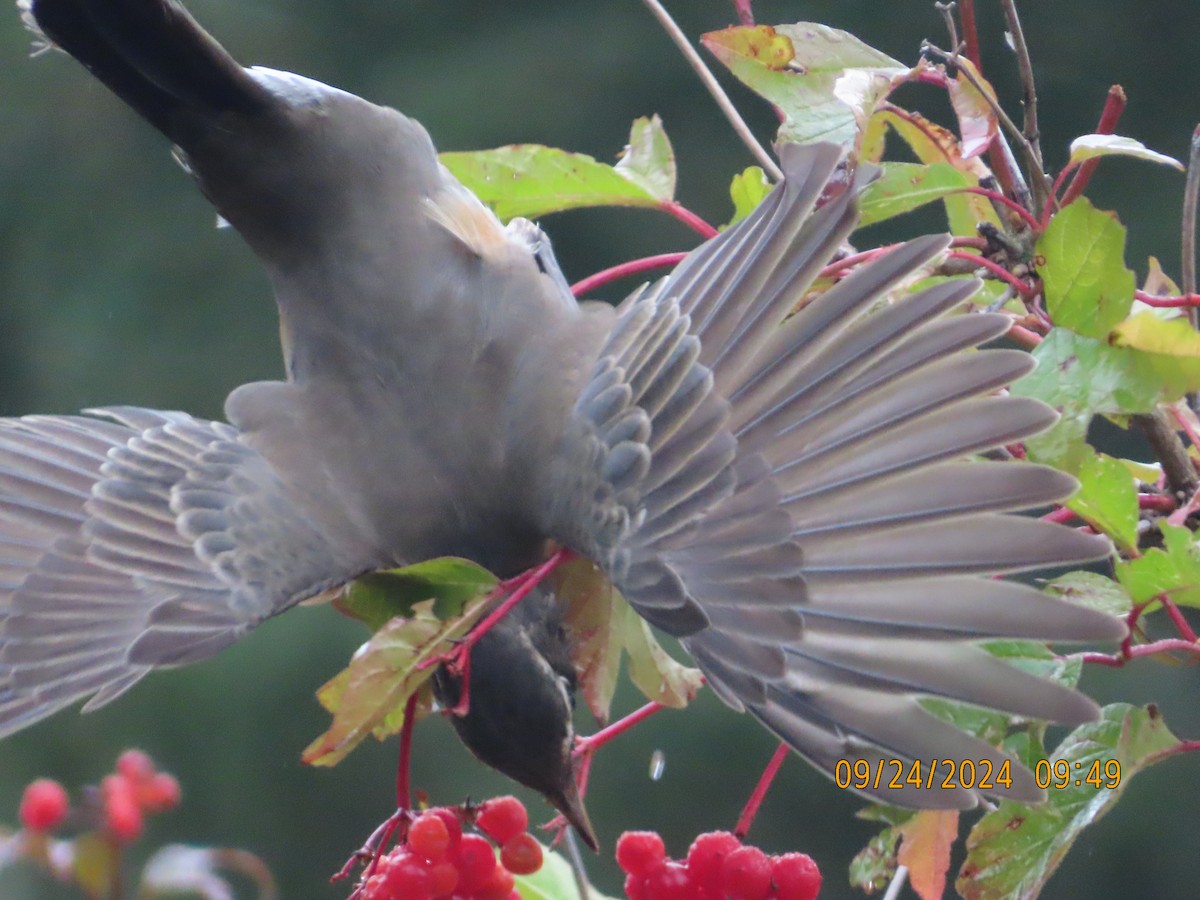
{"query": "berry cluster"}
(718, 866)
(437, 860)
(135, 789)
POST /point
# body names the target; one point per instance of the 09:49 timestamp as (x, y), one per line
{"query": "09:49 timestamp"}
(1063, 773)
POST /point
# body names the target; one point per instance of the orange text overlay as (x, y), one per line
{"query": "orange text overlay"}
(981, 775)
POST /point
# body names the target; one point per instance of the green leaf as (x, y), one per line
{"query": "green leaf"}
(823, 80)
(873, 867)
(1173, 569)
(369, 695)
(1081, 377)
(1081, 260)
(1094, 591)
(1013, 851)
(904, 187)
(1107, 499)
(649, 160)
(555, 880)
(531, 180)
(1090, 146)
(378, 597)
(747, 190)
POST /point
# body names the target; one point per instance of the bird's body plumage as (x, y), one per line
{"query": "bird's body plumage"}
(786, 493)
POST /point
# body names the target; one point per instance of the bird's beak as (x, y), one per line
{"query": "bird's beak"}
(570, 804)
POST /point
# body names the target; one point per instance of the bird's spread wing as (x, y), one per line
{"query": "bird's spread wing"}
(791, 494)
(153, 539)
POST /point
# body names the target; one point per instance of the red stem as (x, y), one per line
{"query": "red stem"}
(1156, 502)
(1114, 105)
(404, 765)
(999, 271)
(1061, 515)
(593, 742)
(746, 819)
(1183, 300)
(688, 218)
(970, 32)
(1117, 660)
(1176, 617)
(625, 269)
(996, 197)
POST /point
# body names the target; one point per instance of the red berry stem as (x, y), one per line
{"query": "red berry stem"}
(404, 763)
(760, 791)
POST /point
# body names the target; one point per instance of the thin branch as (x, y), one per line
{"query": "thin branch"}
(1025, 65)
(1187, 263)
(714, 88)
(1187, 229)
(1168, 449)
(947, 11)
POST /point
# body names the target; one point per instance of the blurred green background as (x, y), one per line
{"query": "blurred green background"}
(116, 288)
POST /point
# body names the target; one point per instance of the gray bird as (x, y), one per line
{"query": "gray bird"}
(788, 494)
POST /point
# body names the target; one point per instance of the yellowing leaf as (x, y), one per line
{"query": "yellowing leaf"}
(975, 108)
(605, 628)
(931, 143)
(369, 695)
(925, 844)
(809, 72)
(1148, 332)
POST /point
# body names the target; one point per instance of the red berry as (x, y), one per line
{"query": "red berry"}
(498, 886)
(158, 794)
(476, 862)
(707, 855)
(443, 879)
(746, 874)
(453, 824)
(402, 875)
(43, 805)
(428, 837)
(522, 854)
(136, 766)
(640, 852)
(122, 815)
(635, 887)
(670, 881)
(502, 818)
(796, 877)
